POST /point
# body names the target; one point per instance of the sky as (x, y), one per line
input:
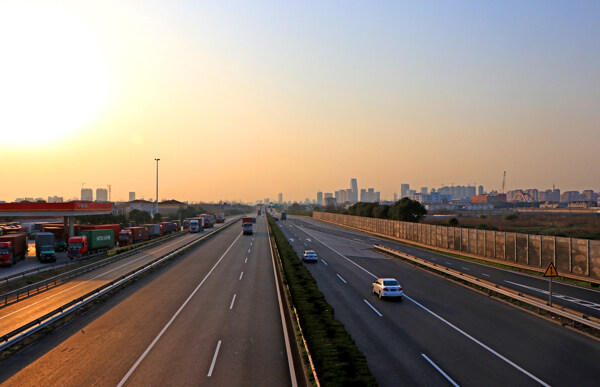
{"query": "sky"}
(244, 100)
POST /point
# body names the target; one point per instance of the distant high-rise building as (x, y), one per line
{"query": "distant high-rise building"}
(280, 198)
(404, 188)
(319, 198)
(55, 199)
(87, 194)
(131, 196)
(266, 200)
(354, 188)
(363, 195)
(326, 196)
(377, 197)
(395, 197)
(101, 195)
(424, 190)
(371, 195)
(480, 190)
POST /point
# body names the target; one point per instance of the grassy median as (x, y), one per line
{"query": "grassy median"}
(337, 360)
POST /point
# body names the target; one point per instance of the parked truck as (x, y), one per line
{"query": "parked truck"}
(247, 225)
(154, 230)
(220, 217)
(209, 220)
(197, 224)
(133, 235)
(89, 242)
(60, 242)
(44, 247)
(167, 227)
(13, 247)
(116, 228)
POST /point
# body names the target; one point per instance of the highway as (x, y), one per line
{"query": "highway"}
(211, 317)
(442, 333)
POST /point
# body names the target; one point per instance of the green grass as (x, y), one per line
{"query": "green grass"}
(337, 360)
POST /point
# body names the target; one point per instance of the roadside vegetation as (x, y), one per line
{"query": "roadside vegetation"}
(337, 360)
(405, 209)
(570, 226)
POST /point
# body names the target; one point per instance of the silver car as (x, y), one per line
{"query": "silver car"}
(309, 256)
(387, 287)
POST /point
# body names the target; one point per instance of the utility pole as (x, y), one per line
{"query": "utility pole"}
(157, 160)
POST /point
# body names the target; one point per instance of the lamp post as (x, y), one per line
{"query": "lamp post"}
(157, 160)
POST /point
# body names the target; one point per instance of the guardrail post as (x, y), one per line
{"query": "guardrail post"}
(570, 255)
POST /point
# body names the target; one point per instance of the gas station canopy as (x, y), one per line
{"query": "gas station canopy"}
(67, 209)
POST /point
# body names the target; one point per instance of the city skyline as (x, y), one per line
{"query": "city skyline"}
(430, 94)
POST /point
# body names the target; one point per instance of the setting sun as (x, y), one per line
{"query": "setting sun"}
(55, 82)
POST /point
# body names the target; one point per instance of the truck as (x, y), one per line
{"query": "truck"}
(197, 224)
(186, 224)
(44, 247)
(60, 242)
(116, 228)
(209, 220)
(154, 230)
(13, 247)
(220, 217)
(167, 227)
(133, 235)
(89, 242)
(283, 215)
(247, 225)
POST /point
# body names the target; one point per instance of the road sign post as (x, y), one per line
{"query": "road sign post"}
(550, 272)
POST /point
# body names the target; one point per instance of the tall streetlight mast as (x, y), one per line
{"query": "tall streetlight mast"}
(157, 160)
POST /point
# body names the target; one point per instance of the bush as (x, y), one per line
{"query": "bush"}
(510, 216)
(337, 360)
(453, 222)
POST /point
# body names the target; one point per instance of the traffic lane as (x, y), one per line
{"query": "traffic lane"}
(583, 300)
(520, 336)
(31, 308)
(104, 348)
(394, 352)
(231, 329)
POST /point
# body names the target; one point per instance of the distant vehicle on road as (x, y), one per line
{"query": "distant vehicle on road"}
(283, 215)
(247, 225)
(309, 256)
(387, 287)
(44, 247)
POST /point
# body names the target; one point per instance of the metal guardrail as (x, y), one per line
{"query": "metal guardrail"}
(530, 300)
(29, 290)
(34, 326)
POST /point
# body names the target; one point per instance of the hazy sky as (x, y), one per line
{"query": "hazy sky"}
(243, 100)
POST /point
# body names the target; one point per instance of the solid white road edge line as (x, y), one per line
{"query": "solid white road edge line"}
(137, 363)
(440, 370)
(343, 280)
(214, 360)
(372, 307)
(478, 342)
(232, 301)
(283, 323)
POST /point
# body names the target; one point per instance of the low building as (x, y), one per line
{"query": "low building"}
(170, 207)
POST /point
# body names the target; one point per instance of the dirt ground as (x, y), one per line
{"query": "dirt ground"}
(574, 226)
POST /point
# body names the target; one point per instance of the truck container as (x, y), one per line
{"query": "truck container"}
(154, 230)
(115, 227)
(99, 240)
(220, 217)
(132, 235)
(247, 225)
(167, 227)
(60, 242)
(13, 247)
(186, 224)
(44, 246)
(209, 220)
(283, 215)
(197, 224)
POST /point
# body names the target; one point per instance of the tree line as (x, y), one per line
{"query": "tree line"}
(405, 210)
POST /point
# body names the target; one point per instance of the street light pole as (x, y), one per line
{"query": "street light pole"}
(157, 160)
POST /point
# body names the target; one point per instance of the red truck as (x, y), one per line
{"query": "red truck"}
(13, 247)
(133, 235)
(209, 220)
(220, 217)
(247, 225)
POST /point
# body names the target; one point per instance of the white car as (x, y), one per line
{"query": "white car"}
(387, 287)
(309, 256)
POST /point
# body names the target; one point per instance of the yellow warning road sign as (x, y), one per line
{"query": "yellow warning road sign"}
(551, 271)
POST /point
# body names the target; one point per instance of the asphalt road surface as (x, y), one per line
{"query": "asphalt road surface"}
(209, 318)
(441, 333)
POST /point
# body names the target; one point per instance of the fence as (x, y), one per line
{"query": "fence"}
(574, 258)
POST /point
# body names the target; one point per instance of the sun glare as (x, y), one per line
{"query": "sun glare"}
(53, 77)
